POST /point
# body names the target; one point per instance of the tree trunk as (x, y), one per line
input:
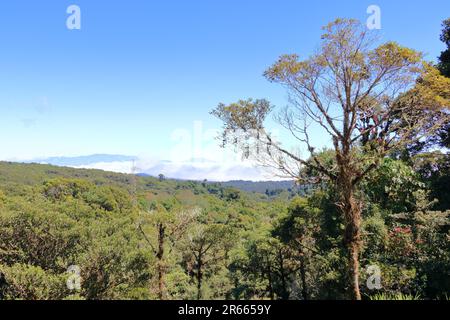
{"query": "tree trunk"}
(269, 277)
(351, 210)
(3, 285)
(303, 278)
(199, 277)
(284, 292)
(352, 238)
(160, 282)
(354, 271)
(160, 256)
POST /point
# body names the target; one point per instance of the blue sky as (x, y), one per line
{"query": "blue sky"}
(138, 71)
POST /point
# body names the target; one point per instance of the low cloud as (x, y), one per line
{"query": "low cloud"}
(193, 170)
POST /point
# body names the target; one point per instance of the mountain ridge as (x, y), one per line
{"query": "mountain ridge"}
(262, 186)
(195, 169)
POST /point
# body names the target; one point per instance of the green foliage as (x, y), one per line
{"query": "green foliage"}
(434, 169)
(27, 282)
(218, 243)
(392, 186)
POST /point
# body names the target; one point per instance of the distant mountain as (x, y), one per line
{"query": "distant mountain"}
(84, 160)
(237, 175)
(193, 170)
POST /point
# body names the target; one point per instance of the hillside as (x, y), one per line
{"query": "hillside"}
(62, 168)
(36, 174)
(133, 237)
(108, 224)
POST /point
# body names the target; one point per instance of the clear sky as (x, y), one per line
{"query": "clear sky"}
(138, 73)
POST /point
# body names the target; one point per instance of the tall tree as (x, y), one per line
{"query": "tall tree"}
(206, 246)
(444, 67)
(163, 225)
(369, 100)
(270, 264)
(444, 59)
(298, 229)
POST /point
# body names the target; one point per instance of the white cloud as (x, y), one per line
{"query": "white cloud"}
(187, 170)
(116, 166)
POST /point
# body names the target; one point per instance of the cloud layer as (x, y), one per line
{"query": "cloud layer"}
(194, 170)
(197, 169)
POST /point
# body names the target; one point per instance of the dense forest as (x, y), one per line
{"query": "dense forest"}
(367, 218)
(149, 238)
